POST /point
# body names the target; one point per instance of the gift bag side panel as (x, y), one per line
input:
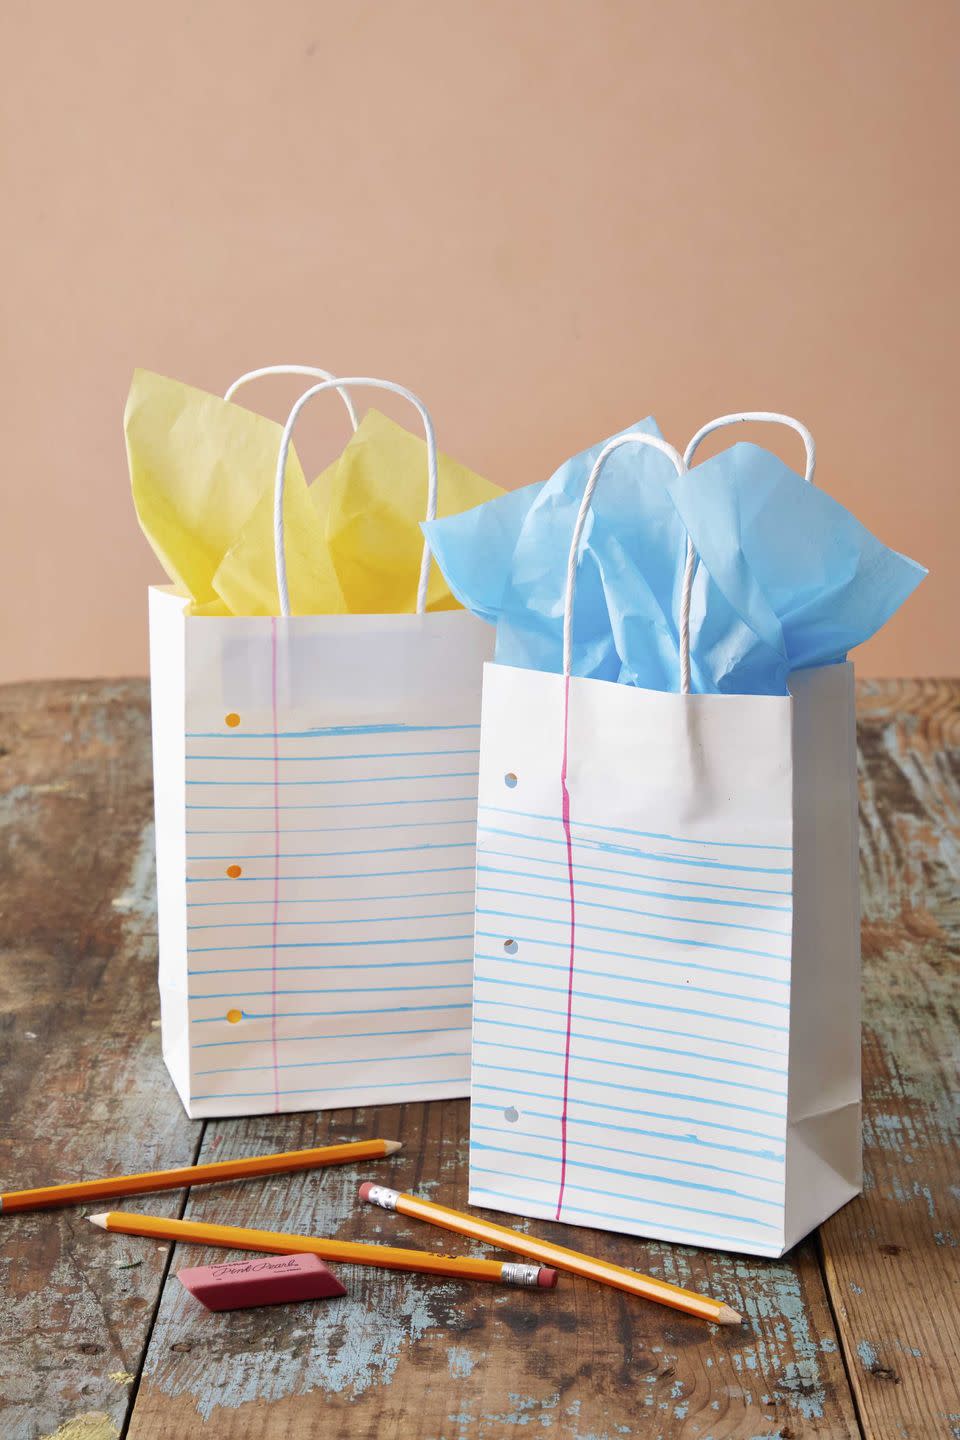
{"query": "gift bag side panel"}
(632, 962)
(167, 710)
(824, 1142)
(331, 780)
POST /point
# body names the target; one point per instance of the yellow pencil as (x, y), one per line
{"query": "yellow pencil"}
(278, 1242)
(557, 1255)
(81, 1190)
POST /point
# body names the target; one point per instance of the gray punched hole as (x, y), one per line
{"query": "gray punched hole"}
(510, 780)
(512, 1114)
(510, 946)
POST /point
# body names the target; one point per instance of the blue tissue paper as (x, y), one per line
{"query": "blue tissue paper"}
(787, 578)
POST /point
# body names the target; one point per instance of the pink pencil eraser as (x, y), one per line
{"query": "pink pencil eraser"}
(547, 1277)
(265, 1280)
(365, 1189)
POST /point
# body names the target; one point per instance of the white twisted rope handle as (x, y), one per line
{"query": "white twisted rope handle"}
(310, 370)
(679, 465)
(336, 384)
(690, 567)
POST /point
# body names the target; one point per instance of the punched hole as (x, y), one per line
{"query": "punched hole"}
(512, 1114)
(510, 780)
(510, 946)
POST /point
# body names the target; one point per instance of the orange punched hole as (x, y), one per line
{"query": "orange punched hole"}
(234, 871)
(234, 1016)
(233, 719)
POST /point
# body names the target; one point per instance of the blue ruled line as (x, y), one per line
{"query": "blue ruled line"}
(618, 1196)
(637, 1004)
(336, 1089)
(632, 1044)
(327, 759)
(332, 899)
(697, 1237)
(627, 910)
(326, 854)
(393, 729)
(629, 851)
(232, 830)
(325, 1039)
(623, 830)
(724, 1104)
(292, 879)
(775, 1156)
(343, 804)
(629, 875)
(628, 1110)
(693, 1163)
(630, 1025)
(355, 780)
(632, 934)
(558, 1055)
(355, 920)
(327, 990)
(625, 889)
(481, 1147)
(349, 1060)
(328, 944)
(318, 1014)
(350, 965)
(648, 960)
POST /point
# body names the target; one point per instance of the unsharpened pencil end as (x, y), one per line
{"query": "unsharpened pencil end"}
(728, 1316)
(392, 1146)
(100, 1220)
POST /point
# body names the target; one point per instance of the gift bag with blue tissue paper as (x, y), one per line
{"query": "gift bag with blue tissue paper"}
(666, 1030)
(315, 698)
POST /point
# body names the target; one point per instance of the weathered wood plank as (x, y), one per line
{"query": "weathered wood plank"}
(405, 1359)
(891, 1257)
(84, 1092)
(416, 1359)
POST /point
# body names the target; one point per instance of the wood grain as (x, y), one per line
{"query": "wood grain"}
(891, 1257)
(84, 1092)
(406, 1356)
(412, 1358)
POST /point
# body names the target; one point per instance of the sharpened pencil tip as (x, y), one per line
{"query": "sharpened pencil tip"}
(728, 1316)
(100, 1220)
(392, 1146)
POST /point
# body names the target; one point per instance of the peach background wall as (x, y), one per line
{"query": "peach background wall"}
(549, 217)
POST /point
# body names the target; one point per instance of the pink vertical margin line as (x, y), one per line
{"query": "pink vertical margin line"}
(276, 855)
(565, 813)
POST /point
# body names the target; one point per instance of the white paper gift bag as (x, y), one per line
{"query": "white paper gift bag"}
(666, 983)
(316, 789)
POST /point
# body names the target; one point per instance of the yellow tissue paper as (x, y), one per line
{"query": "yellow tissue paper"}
(198, 466)
(377, 499)
(203, 470)
(353, 539)
(246, 579)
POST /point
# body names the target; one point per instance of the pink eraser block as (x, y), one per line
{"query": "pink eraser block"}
(265, 1280)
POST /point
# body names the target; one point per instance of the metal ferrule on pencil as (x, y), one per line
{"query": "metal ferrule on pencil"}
(525, 1275)
(387, 1199)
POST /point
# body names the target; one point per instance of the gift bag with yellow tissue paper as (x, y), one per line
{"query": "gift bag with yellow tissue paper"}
(374, 531)
(198, 466)
(353, 538)
(315, 773)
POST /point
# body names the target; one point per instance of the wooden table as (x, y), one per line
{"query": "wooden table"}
(856, 1332)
